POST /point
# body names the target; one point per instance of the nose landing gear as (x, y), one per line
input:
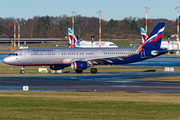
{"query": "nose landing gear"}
(22, 70)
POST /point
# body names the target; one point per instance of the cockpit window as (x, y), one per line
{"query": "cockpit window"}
(112, 44)
(13, 54)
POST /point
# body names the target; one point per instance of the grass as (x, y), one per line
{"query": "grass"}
(123, 43)
(88, 105)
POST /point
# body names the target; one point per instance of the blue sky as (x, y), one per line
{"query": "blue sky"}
(115, 9)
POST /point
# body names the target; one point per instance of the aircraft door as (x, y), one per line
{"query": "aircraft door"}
(142, 53)
(25, 54)
(58, 52)
(99, 53)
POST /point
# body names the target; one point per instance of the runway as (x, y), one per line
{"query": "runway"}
(116, 82)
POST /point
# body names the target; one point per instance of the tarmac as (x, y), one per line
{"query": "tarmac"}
(116, 82)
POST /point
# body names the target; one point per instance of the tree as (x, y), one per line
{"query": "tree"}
(54, 32)
(125, 26)
(25, 34)
(111, 24)
(134, 27)
(43, 24)
(9, 26)
(2, 28)
(29, 27)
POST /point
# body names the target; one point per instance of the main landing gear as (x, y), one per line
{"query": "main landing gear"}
(93, 70)
(22, 70)
(78, 71)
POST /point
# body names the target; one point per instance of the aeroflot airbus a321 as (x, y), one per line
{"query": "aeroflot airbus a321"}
(82, 58)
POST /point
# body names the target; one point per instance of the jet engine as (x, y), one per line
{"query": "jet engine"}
(79, 65)
(57, 67)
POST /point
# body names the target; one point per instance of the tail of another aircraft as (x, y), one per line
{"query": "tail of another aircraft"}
(143, 35)
(154, 39)
(73, 42)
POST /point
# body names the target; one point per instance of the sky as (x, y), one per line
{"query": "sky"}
(111, 9)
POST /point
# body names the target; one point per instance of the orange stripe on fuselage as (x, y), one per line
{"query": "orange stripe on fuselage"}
(127, 56)
(140, 48)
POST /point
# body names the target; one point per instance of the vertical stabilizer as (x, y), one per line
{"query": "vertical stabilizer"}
(143, 35)
(73, 42)
(154, 39)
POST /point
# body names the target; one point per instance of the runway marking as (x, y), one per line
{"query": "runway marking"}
(145, 86)
(9, 82)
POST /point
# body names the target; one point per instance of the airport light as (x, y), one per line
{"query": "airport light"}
(14, 35)
(11, 38)
(18, 35)
(73, 44)
(177, 29)
(146, 19)
(99, 28)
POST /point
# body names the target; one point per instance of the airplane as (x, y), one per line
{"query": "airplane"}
(82, 58)
(87, 44)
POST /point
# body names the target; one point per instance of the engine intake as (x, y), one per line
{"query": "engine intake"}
(79, 65)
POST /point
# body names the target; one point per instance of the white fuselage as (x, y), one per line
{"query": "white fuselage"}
(51, 56)
(95, 44)
(171, 45)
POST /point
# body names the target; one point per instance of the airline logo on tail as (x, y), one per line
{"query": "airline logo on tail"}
(154, 39)
(73, 42)
(158, 33)
(143, 35)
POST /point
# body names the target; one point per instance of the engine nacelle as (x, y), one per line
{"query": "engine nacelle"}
(79, 65)
(57, 67)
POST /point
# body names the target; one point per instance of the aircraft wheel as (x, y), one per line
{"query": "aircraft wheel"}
(22, 71)
(93, 70)
(78, 71)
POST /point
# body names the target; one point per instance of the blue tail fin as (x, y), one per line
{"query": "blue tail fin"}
(154, 39)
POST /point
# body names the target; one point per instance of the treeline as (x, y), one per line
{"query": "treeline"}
(56, 27)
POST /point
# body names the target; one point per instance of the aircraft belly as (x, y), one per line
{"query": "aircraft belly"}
(124, 60)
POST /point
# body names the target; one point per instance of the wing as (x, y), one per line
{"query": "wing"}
(99, 60)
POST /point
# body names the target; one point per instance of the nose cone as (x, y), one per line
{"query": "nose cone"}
(7, 60)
